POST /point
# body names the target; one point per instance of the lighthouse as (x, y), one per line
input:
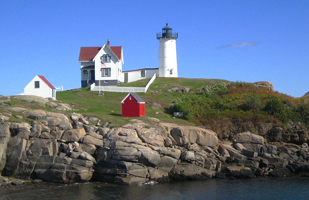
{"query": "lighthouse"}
(167, 52)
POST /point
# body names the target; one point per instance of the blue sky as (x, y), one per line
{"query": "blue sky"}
(236, 40)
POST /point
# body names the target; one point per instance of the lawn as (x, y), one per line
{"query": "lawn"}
(108, 106)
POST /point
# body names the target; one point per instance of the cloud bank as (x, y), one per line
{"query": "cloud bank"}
(241, 44)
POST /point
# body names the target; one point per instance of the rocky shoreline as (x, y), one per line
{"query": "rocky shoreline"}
(74, 148)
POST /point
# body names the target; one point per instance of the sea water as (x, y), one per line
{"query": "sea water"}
(257, 188)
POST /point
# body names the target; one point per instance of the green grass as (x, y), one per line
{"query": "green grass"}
(108, 106)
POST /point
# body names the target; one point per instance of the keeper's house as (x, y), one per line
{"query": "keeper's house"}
(101, 65)
(133, 106)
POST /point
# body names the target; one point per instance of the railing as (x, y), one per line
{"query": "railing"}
(123, 89)
(150, 81)
(167, 35)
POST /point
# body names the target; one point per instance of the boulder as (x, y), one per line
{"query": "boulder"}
(240, 172)
(124, 134)
(32, 99)
(280, 172)
(251, 154)
(130, 180)
(86, 156)
(51, 104)
(264, 84)
(167, 163)
(188, 156)
(172, 152)
(89, 148)
(223, 152)
(89, 139)
(156, 106)
(149, 157)
(247, 137)
(4, 118)
(191, 172)
(5, 136)
(157, 174)
(238, 146)
(36, 114)
(63, 107)
(153, 136)
(15, 149)
(179, 90)
(125, 154)
(73, 135)
(36, 129)
(58, 120)
(184, 135)
(103, 131)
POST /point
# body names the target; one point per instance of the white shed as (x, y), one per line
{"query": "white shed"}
(40, 86)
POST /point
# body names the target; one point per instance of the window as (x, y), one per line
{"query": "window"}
(85, 71)
(143, 73)
(171, 71)
(36, 84)
(105, 58)
(105, 72)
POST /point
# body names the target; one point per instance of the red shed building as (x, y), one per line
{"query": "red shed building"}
(133, 106)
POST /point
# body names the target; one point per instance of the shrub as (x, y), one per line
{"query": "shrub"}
(253, 103)
(276, 108)
(218, 89)
(303, 111)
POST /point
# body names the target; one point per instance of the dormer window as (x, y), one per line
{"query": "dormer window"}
(105, 58)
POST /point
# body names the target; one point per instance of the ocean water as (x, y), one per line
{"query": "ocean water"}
(258, 188)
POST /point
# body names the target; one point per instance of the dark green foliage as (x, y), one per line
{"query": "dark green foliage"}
(239, 102)
(303, 111)
(252, 103)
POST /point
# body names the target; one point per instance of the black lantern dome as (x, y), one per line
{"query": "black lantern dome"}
(167, 32)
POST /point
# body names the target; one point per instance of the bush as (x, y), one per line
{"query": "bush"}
(239, 102)
(276, 108)
(253, 103)
(216, 90)
(303, 111)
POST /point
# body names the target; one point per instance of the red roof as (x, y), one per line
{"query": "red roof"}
(47, 82)
(88, 53)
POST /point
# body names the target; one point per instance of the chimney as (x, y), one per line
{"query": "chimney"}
(108, 43)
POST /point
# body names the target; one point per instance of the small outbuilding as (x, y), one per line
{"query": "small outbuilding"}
(133, 106)
(41, 87)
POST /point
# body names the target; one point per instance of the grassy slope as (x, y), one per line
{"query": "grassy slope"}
(108, 107)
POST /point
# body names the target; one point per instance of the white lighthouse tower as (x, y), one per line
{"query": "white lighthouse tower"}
(167, 52)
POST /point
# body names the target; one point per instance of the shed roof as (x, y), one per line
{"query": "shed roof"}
(46, 81)
(135, 96)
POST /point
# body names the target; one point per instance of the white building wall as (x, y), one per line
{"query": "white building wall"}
(115, 66)
(167, 58)
(136, 74)
(43, 91)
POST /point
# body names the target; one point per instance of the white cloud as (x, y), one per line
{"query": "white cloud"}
(241, 44)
